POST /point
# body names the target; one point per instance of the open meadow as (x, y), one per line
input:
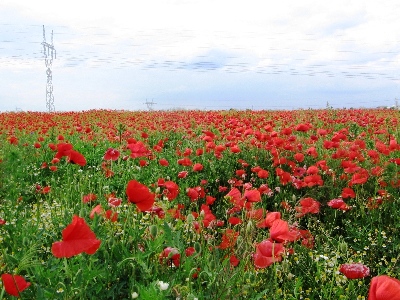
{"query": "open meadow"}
(231, 204)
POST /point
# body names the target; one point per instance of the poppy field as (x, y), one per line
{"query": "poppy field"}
(200, 204)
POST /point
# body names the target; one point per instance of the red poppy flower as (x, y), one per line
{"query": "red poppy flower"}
(190, 251)
(76, 158)
(158, 211)
(303, 127)
(219, 148)
(256, 169)
(2, 222)
(312, 170)
(255, 214)
(183, 174)
(373, 154)
(171, 190)
(280, 232)
(252, 195)
(284, 177)
(185, 162)
(307, 239)
(197, 167)
(170, 255)
(262, 174)
(382, 148)
(46, 190)
(359, 177)
(192, 193)
(209, 217)
(138, 149)
(354, 270)
(53, 168)
(229, 238)
(63, 149)
(210, 200)
(114, 202)
(234, 195)
(187, 152)
(234, 221)
(222, 189)
(77, 238)
(308, 205)
(140, 195)
(384, 287)
(299, 172)
(377, 171)
(235, 149)
(269, 219)
(338, 204)
(52, 147)
(143, 163)
(163, 162)
(312, 151)
(240, 173)
(13, 140)
(234, 261)
(313, 180)
(111, 154)
(14, 284)
(111, 215)
(348, 193)
(55, 160)
(97, 210)
(89, 198)
(299, 157)
(267, 253)
(265, 190)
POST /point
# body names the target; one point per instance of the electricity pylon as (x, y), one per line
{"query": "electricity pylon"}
(150, 104)
(49, 52)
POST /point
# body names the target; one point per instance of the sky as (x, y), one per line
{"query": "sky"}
(208, 54)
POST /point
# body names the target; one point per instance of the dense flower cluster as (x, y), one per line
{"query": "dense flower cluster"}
(183, 194)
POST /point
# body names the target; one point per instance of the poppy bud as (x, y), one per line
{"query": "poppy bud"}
(153, 230)
(197, 247)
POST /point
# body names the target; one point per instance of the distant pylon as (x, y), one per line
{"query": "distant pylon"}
(49, 52)
(150, 104)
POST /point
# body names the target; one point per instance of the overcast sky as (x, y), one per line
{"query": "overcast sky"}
(203, 54)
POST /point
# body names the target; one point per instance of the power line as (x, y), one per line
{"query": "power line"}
(100, 52)
(205, 63)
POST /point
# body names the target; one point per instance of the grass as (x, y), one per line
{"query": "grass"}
(128, 264)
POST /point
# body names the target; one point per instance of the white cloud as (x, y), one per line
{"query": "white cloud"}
(131, 50)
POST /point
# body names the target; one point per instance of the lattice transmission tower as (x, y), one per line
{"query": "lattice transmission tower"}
(49, 53)
(150, 104)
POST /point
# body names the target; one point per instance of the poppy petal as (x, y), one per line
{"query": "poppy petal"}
(280, 231)
(354, 270)
(77, 158)
(264, 261)
(14, 284)
(140, 195)
(77, 238)
(384, 287)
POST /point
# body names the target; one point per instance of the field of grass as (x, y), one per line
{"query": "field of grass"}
(200, 205)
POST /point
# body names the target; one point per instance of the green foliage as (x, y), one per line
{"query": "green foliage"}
(128, 261)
